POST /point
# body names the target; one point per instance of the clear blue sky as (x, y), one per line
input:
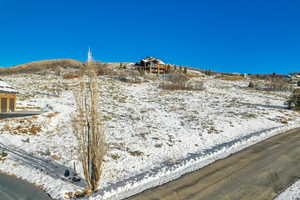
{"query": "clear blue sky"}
(223, 35)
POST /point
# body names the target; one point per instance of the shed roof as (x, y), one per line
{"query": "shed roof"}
(6, 88)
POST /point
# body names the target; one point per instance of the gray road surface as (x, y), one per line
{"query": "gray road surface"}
(19, 114)
(12, 188)
(259, 172)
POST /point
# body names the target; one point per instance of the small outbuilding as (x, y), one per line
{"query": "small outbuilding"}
(7, 97)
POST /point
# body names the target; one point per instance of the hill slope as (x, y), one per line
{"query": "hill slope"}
(41, 66)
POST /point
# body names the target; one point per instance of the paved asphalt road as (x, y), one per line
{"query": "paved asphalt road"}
(19, 114)
(12, 188)
(259, 172)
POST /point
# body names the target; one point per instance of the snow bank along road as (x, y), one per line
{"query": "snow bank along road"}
(259, 172)
(12, 188)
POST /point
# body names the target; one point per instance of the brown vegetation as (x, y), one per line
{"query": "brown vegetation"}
(70, 76)
(51, 115)
(232, 78)
(178, 81)
(49, 65)
(32, 129)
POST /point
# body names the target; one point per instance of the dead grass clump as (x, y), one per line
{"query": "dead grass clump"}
(31, 130)
(56, 157)
(232, 78)
(136, 153)
(21, 130)
(77, 194)
(115, 156)
(70, 76)
(51, 115)
(22, 127)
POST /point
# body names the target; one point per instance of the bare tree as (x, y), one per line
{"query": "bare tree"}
(88, 128)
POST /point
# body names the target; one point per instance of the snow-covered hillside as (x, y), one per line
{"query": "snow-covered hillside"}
(154, 135)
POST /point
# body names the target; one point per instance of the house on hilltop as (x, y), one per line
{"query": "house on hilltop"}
(153, 65)
(150, 61)
(7, 97)
(295, 77)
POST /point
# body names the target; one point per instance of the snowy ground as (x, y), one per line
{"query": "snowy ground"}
(153, 135)
(292, 193)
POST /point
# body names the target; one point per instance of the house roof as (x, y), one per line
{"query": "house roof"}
(5, 87)
(150, 60)
(154, 60)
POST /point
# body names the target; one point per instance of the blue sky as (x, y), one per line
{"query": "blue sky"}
(254, 36)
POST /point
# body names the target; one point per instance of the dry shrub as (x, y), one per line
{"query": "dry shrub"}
(88, 128)
(70, 76)
(51, 115)
(56, 157)
(177, 78)
(176, 81)
(32, 129)
(136, 153)
(277, 84)
(294, 100)
(251, 85)
(104, 69)
(271, 84)
(196, 84)
(232, 78)
(130, 77)
(181, 82)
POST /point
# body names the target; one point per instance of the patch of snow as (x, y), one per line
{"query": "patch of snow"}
(5, 87)
(292, 193)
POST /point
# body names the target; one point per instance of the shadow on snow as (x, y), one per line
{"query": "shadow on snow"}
(49, 167)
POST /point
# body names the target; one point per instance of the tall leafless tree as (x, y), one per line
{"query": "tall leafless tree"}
(88, 128)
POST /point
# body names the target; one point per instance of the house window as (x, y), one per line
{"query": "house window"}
(12, 105)
(3, 104)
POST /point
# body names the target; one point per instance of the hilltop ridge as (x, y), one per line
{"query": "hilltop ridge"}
(37, 66)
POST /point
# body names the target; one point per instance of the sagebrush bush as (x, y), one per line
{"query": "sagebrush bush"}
(277, 84)
(178, 81)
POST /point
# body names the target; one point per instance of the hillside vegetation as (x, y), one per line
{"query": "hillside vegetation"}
(38, 66)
